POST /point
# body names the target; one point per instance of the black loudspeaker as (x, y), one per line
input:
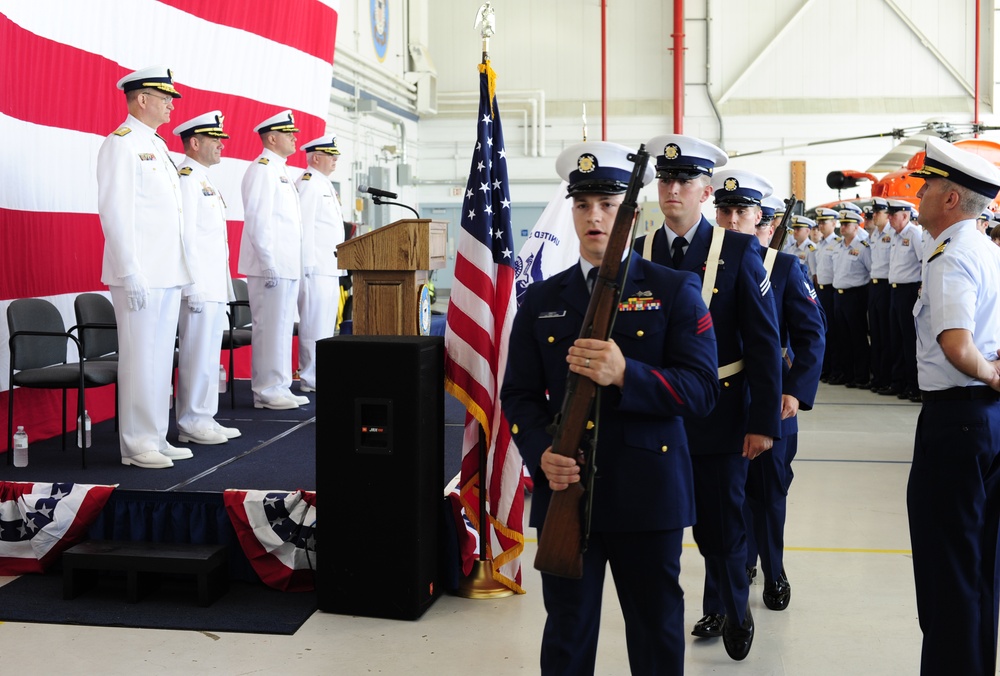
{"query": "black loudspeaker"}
(379, 469)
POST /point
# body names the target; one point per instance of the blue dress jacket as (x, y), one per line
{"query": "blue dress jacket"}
(643, 479)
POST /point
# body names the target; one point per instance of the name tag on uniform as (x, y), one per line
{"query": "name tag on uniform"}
(635, 304)
(147, 157)
(283, 179)
(552, 315)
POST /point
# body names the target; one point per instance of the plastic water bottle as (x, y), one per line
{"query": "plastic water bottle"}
(83, 431)
(222, 379)
(20, 447)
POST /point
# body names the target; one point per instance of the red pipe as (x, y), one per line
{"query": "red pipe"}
(604, 70)
(678, 49)
(975, 116)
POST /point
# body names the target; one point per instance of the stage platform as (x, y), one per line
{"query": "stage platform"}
(277, 451)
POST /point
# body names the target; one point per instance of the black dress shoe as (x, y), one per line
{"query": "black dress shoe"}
(738, 638)
(709, 626)
(777, 594)
(864, 386)
(836, 380)
(751, 574)
(850, 385)
(914, 396)
(875, 387)
(890, 391)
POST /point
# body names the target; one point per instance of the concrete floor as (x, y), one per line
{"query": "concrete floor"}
(852, 611)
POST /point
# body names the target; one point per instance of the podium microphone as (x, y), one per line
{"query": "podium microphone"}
(377, 193)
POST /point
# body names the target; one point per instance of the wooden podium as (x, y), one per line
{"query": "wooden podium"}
(390, 267)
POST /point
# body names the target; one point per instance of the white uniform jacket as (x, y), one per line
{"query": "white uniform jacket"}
(272, 226)
(205, 236)
(139, 202)
(322, 223)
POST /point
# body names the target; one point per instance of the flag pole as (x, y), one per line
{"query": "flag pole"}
(479, 583)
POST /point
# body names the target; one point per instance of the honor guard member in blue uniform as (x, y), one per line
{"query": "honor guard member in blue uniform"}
(953, 495)
(145, 265)
(828, 248)
(271, 258)
(802, 326)
(905, 261)
(203, 310)
(852, 274)
(802, 247)
(322, 232)
(771, 208)
(878, 296)
(658, 367)
(748, 416)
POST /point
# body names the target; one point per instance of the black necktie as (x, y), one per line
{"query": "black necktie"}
(591, 278)
(677, 248)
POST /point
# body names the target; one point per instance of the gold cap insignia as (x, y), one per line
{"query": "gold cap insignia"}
(672, 151)
(587, 163)
(731, 184)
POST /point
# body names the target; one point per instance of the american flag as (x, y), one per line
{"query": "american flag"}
(38, 521)
(480, 313)
(59, 62)
(277, 532)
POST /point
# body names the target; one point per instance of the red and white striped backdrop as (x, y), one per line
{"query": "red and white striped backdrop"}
(59, 62)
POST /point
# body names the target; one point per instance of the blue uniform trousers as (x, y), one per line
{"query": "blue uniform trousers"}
(878, 327)
(768, 478)
(831, 360)
(719, 493)
(850, 308)
(651, 598)
(953, 505)
(903, 335)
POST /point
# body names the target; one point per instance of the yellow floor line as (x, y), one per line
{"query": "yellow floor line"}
(834, 550)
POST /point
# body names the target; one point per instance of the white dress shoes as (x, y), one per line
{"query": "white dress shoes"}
(280, 404)
(174, 453)
(227, 432)
(306, 388)
(149, 460)
(301, 401)
(204, 437)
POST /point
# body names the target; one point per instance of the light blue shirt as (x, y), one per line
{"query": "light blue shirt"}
(828, 249)
(852, 266)
(961, 290)
(806, 253)
(881, 244)
(906, 255)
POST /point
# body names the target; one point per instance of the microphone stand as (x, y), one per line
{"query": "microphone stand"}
(378, 200)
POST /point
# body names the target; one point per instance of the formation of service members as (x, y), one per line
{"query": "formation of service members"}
(166, 264)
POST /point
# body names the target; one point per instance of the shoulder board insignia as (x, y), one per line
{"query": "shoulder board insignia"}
(306, 176)
(122, 131)
(864, 243)
(811, 246)
(939, 250)
(263, 160)
(184, 171)
(839, 239)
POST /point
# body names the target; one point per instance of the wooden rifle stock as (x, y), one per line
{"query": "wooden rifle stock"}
(778, 238)
(561, 544)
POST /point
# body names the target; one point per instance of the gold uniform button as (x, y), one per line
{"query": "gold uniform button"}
(715, 291)
(725, 383)
(513, 428)
(590, 424)
(640, 333)
(663, 449)
(552, 339)
(840, 291)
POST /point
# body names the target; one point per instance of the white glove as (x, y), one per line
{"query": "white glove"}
(136, 290)
(309, 270)
(196, 302)
(270, 278)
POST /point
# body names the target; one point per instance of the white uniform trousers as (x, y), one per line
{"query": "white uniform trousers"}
(145, 364)
(198, 366)
(273, 313)
(319, 299)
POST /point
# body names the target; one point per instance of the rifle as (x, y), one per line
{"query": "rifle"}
(778, 238)
(563, 538)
